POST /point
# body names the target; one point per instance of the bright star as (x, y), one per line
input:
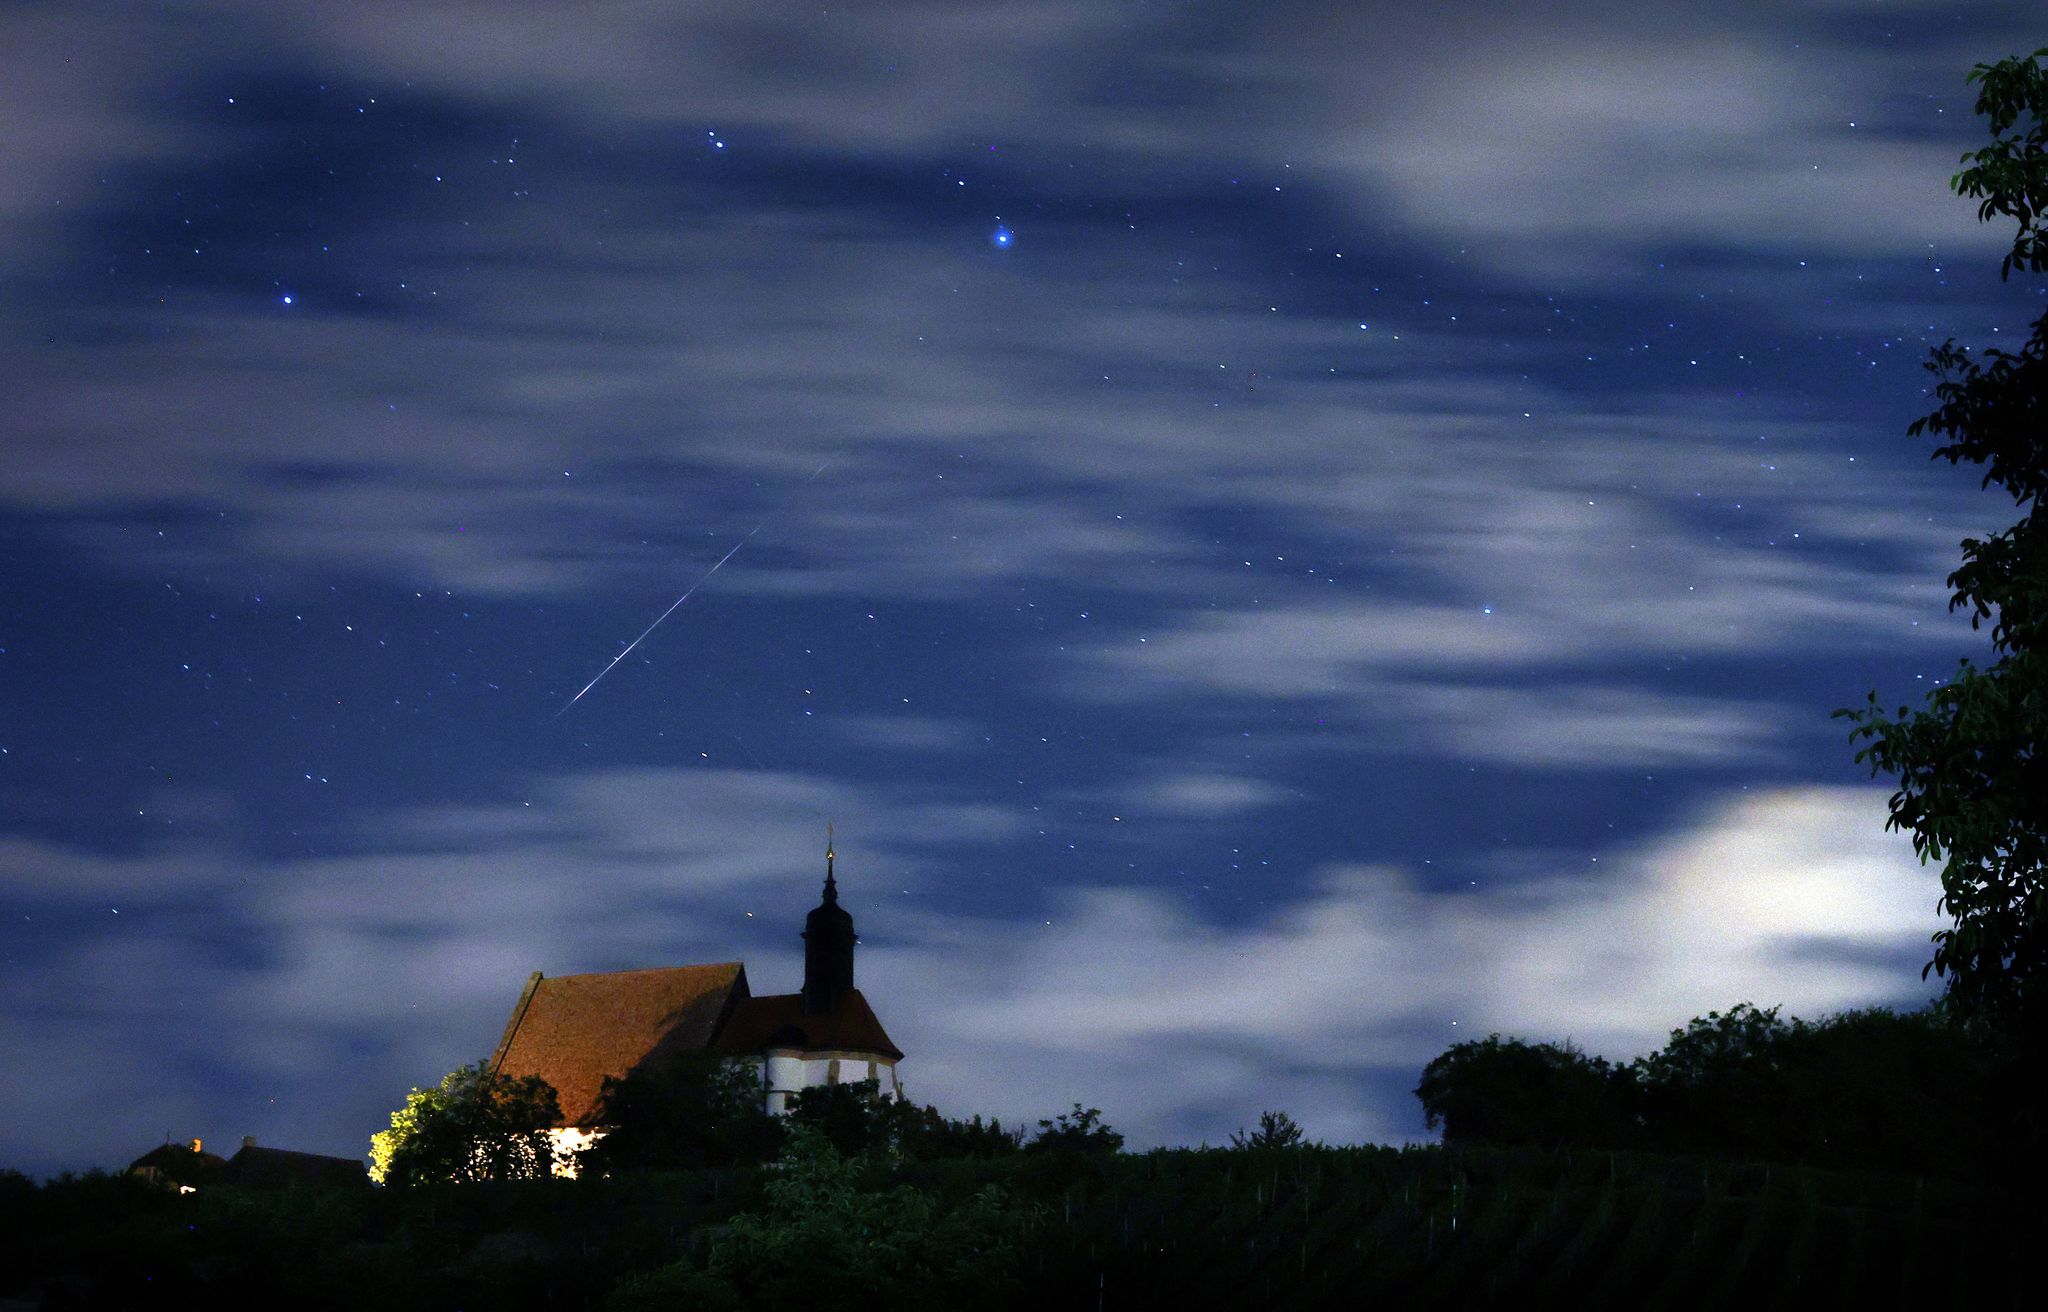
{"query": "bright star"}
(1002, 236)
(286, 298)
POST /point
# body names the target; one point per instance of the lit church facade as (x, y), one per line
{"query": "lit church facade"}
(574, 1030)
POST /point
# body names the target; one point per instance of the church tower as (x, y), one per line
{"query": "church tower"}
(574, 1031)
(828, 948)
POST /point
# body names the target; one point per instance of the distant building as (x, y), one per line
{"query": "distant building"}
(574, 1030)
(178, 1166)
(257, 1167)
(186, 1168)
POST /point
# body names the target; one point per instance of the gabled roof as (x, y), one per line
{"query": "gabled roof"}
(176, 1161)
(256, 1167)
(779, 1021)
(573, 1030)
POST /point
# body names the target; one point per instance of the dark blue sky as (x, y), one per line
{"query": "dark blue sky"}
(1282, 536)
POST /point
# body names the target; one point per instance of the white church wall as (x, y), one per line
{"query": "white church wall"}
(786, 1073)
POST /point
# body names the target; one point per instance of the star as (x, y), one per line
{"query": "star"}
(1002, 236)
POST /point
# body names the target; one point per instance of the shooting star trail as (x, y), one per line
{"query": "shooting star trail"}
(702, 579)
(659, 618)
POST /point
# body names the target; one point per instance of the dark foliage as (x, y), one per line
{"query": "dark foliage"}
(1506, 1091)
(1878, 1088)
(1078, 1131)
(1719, 1085)
(1864, 1089)
(858, 1120)
(1275, 1130)
(1970, 767)
(687, 1111)
(1309, 1227)
(836, 1233)
(927, 1135)
(854, 1118)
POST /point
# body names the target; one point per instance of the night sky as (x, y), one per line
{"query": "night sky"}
(1283, 536)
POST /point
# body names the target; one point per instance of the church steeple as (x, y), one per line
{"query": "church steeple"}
(828, 945)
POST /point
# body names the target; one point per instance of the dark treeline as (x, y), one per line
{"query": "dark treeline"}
(1303, 1226)
(1912, 1092)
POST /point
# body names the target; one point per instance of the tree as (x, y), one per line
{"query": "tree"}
(1275, 1130)
(855, 1118)
(832, 1236)
(1969, 764)
(859, 1120)
(681, 1112)
(1507, 1091)
(928, 1135)
(1875, 1087)
(474, 1125)
(1078, 1131)
(1719, 1084)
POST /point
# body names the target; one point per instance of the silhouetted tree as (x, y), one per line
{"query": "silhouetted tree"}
(833, 1237)
(855, 1118)
(472, 1126)
(860, 1120)
(1879, 1088)
(1970, 764)
(928, 1135)
(1275, 1130)
(1506, 1091)
(680, 1112)
(1078, 1131)
(1719, 1084)
(1862, 1089)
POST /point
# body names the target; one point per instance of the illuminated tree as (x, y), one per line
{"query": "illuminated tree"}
(472, 1126)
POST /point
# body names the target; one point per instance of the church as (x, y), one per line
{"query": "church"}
(574, 1030)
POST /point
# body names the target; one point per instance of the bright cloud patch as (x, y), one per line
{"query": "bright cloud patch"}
(1795, 898)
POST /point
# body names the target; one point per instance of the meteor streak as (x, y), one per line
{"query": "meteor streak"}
(659, 618)
(675, 604)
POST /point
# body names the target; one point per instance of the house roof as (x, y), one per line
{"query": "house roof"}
(779, 1021)
(177, 1160)
(256, 1167)
(573, 1030)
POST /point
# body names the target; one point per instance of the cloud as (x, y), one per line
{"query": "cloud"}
(1195, 795)
(1173, 1025)
(1592, 726)
(905, 733)
(1575, 158)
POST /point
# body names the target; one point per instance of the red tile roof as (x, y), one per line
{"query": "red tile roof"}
(573, 1030)
(779, 1021)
